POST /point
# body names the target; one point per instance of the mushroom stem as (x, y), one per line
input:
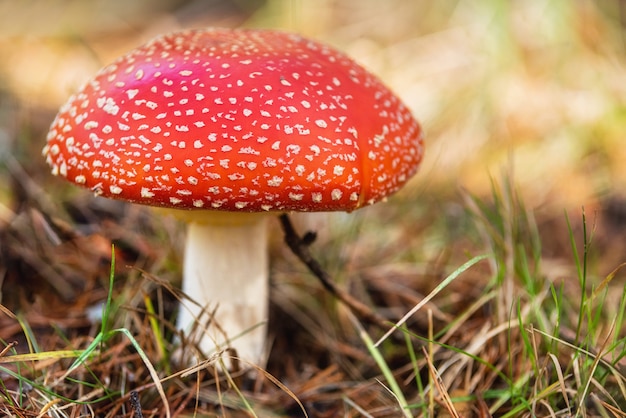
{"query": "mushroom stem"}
(226, 273)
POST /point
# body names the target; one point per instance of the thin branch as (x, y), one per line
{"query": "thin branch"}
(135, 404)
(300, 247)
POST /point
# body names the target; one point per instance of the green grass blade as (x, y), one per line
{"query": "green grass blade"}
(456, 273)
(384, 368)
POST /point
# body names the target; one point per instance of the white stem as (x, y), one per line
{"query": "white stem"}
(226, 271)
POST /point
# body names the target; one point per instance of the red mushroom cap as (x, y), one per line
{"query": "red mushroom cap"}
(242, 120)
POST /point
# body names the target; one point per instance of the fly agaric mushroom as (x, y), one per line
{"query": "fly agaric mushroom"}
(225, 127)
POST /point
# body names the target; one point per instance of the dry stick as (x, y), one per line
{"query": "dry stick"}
(300, 247)
(135, 404)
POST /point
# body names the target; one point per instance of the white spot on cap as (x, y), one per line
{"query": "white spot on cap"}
(131, 93)
(108, 105)
(336, 194)
(92, 124)
(63, 169)
(293, 148)
(321, 123)
(275, 181)
(115, 189)
(249, 151)
(146, 193)
(315, 149)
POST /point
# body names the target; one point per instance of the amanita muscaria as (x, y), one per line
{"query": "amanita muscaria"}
(226, 127)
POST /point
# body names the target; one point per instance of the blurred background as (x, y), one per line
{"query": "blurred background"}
(533, 88)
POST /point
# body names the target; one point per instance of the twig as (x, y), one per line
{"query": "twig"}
(300, 247)
(135, 404)
(8, 347)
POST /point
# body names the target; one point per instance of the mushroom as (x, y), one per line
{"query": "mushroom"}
(226, 127)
